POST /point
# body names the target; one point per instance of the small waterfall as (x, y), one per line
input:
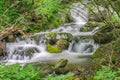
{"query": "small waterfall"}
(32, 51)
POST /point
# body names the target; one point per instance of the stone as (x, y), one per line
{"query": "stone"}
(63, 44)
(60, 66)
(61, 63)
(10, 38)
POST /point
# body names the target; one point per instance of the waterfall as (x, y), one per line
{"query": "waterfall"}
(28, 50)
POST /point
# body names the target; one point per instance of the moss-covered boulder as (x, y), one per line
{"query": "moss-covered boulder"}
(10, 38)
(52, 37)
(60, 65)
(63, 44)
(53, 48)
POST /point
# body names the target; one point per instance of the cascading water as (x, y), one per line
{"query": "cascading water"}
(82, 45)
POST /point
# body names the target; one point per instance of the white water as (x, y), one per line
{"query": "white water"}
(18, 52)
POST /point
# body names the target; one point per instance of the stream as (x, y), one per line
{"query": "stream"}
(79, 50)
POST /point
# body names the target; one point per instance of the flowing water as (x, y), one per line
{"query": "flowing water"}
(83, 46)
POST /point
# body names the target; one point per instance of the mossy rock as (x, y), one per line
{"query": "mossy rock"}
(61, 63)
(53, 37)
(10, 38)
(63, 44)
(53, 48)
(60, 66)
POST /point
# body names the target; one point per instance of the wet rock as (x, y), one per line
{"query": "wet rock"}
(10, 38)
(61, 71)
(60, 66)
(63, 44)
(56, 42)
(53, 49)
(52, 37)
(25, 52)
(61, 63)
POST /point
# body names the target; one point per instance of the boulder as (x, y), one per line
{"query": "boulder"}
(60, 66)
(61, 63)
(52, 37)
(63, 44)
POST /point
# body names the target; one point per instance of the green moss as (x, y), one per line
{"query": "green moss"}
(53, 49)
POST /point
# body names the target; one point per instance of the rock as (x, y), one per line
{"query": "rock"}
(26, 52)
(10, 38)
(53, 48)
(56, 42)
(60, 66)
(63, 44)
(61, 63)
(61, 71)
(52, 37)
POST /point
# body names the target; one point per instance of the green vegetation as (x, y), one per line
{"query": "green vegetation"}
(106, 73)
(28, 72)
(38, 15)
(17, 72)
(34, 15)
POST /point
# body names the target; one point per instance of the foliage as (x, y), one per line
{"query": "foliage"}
(107, 73)
(29, 72)
(17, 72)
(48, 8)
(32, 15)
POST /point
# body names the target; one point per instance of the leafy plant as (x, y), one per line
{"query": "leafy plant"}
(17, 72)
(107, 73)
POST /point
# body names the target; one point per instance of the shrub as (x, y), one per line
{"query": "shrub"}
(17, 72)
(107, 73)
